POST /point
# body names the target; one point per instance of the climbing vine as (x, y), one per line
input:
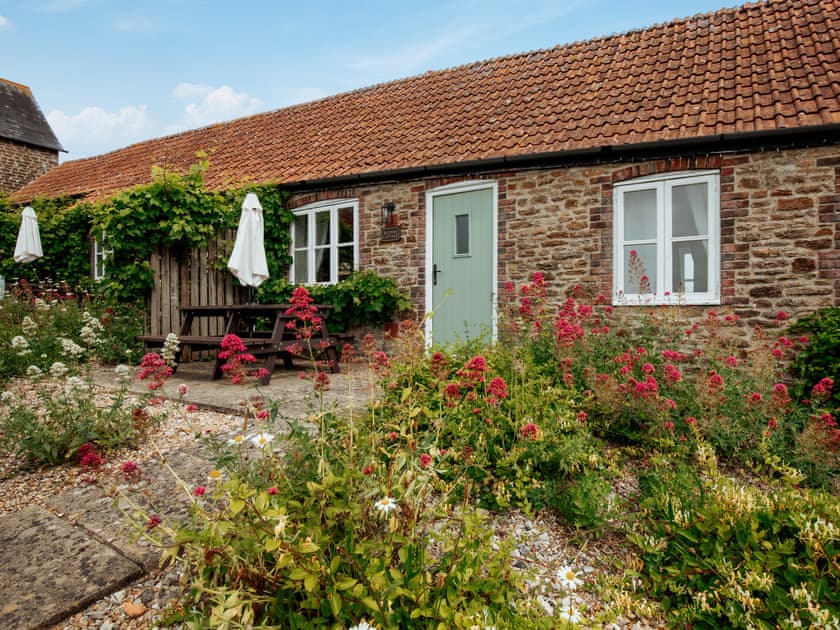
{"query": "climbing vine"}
(64, 225)
(174, 211)
(177, 212)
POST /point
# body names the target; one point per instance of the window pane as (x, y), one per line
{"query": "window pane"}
(690, 209)
(345, 225)
(639, 215)
(301, 270)
(640, 269)
(691, 267)
(322, 228)
(302, 230)
(345, 262)
(322, 265)
(462, 234)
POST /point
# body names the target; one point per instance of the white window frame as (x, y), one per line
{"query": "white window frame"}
(663, 292)
(310, 211)
(101, 253)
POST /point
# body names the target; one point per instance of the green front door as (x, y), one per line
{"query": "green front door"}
(462, 269)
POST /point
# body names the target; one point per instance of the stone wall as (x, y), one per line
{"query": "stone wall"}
(780, 242)
(21, 163)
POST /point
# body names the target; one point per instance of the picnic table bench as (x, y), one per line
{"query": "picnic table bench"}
(276, 340)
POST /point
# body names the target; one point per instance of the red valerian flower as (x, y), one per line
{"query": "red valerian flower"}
(530, 431)
(425, 460)
(199, 491)
(272, 490)
(781, 316)
(691, 420)
(153, 522)
(497, 390)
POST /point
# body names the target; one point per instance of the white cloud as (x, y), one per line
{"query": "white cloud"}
(5, 24)
(210, 105)
(94, 131)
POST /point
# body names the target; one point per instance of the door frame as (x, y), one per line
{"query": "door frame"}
(459, 187)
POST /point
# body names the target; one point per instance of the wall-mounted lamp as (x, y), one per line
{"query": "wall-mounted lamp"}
(389, 214)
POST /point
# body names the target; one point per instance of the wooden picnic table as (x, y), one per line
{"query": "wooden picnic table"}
(266, 330)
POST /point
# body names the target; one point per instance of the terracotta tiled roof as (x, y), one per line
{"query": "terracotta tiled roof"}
(761, 67)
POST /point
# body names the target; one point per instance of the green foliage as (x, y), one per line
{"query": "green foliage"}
(584, 500)
(347, 526)
(363, 298)
(64, 226)
(651, 376)
(49, 429)
(174, 211)
(721, 554)
(820, 356)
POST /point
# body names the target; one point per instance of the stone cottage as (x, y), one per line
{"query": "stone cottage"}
(696, 162)
(28, 146)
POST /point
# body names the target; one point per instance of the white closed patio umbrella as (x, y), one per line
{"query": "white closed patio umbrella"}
(247, 261)
(28, 246)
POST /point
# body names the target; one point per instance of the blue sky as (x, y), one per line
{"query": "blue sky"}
(108, 73)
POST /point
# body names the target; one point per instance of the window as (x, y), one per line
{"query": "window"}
(324, 242)
(666, 239)
(101, 253)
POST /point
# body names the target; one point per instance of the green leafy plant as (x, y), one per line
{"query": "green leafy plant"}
(819, 356)
(362, 299)
(65, 417)
(721, 554)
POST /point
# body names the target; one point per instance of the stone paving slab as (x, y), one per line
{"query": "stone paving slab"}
(53, 568)
(157, 491)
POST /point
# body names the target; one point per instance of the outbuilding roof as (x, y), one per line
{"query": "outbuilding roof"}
(21, 120)
(765, 67)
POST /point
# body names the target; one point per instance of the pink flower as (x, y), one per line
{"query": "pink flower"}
(272, 490)
(772, 424)
(529, 431)
(183, 389)
(781, 316)
(425, 460)
(367, 470)
(731, 361)
(262, 414)
(128, 467)
(199, 491)
(669, 426)
(497, 390)
(192, 407)
(823, 388)
(582, 417)
(691, 420)
(648, 368)
(153, 522)
(756, 398)
(393, 435)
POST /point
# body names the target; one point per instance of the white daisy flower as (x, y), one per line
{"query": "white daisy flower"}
(363, 625)
(569, 613)
(569, 577)
(386, 505)
(262, 439)
(236, 440)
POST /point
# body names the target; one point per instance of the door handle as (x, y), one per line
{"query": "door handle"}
(435, 272)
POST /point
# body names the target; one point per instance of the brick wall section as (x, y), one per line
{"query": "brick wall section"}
(21, 163)
(779, 211)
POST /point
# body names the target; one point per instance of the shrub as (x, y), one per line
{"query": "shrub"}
(349, 526)
(719, 553)
(819, 356)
